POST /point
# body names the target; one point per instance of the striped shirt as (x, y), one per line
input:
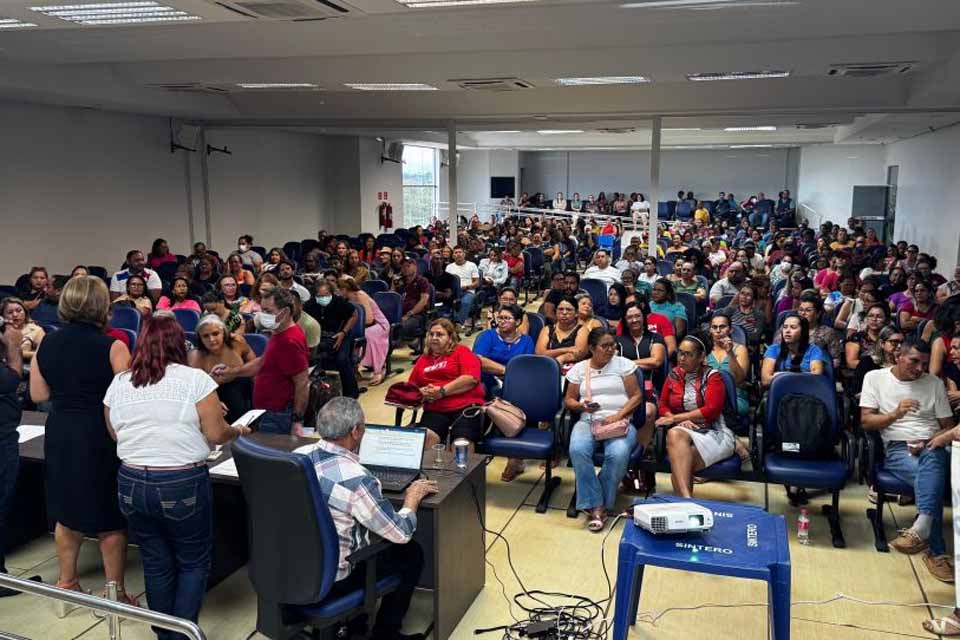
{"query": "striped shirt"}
(356, 503)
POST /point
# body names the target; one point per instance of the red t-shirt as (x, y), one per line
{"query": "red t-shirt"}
(826, 279)
(441, 370)
(284, 357)
(119, 335)
(512, 262)
(656, 323)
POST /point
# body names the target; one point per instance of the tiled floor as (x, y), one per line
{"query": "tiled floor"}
(552, 552)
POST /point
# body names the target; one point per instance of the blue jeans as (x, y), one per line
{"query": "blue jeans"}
(276, 422)
(595, 490)
(466, 306)
(171, 515)
(9, 467)
(927, 473)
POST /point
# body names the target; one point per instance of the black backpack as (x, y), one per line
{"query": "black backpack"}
(804, 426)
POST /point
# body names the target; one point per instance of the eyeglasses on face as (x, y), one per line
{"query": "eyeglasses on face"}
(607, 346)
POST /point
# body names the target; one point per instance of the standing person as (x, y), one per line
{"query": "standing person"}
(81, 457)
(469, 276)
(911, 411)
(281, 378)
(601, 389)
(336, 317)
(11, 364)
(164, 416)
(377, 331)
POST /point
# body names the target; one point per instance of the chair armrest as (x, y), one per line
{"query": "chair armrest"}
(377, 544)
(659, 443)
(874, 455)
(848, 446)
(365, 560)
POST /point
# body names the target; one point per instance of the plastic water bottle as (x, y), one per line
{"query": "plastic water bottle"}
(803, 527)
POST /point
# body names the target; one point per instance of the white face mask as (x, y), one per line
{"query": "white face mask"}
(244, 247)
(267, 320)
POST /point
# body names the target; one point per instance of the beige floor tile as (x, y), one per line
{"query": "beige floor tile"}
(33, 553)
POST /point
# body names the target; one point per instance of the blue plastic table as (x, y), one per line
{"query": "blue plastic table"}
(745, 542)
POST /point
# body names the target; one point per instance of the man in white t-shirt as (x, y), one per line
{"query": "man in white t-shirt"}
(910, 408)
(469, 276)
(136, 266)
(601, 269)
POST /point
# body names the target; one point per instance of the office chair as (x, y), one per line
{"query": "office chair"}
(292, 580)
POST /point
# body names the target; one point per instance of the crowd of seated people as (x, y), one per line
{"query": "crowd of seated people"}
(730, 291)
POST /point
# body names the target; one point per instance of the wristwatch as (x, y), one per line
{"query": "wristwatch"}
(296, 417)
(443, 392)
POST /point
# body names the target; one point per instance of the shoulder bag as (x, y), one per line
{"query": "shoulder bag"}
(610, 430)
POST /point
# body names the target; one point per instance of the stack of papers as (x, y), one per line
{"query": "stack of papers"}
(29, 432)
(226, 469)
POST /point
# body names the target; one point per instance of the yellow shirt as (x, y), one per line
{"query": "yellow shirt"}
(701, 214)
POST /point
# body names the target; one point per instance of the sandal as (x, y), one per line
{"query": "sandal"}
(62, 609)
(512, 470)
(596, 520)
(376, 379)
(122, 597)
(947, 626)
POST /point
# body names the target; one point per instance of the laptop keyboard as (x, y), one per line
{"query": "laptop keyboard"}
(388, 478)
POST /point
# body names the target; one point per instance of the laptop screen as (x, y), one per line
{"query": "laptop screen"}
(401, 448)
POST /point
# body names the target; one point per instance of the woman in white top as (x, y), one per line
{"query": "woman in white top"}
(164, 416)
(560, 203)
(602, 389)
(650, 274)
(640, 211)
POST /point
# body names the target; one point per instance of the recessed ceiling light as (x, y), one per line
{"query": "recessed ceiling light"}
(595, 80)
(107, 13)
(764, 128)
(278, 85)
(390, 86)
(13, 23)
(504, 131)
(659, 4)
(553, 132)
(751, 146)
(737, 75)
(430, 4)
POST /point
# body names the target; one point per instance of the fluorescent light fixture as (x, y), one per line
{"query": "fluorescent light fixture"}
(390, 86)
(120, 16)
(751, 146)
(684, 129)
(504, 131)
(556, 132)
(660, 4)
(107, 13)
(103, 5)
(598, 80)
(763, 128)
(141, 20)
(430, 4)
(278, 85)
(13, 23)
(738, 75)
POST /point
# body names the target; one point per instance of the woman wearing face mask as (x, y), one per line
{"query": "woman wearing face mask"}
(691, 407)
(178, 299)
(336, 317)
(215, 346)
(794, 352)
(137, 295)
(377, 331)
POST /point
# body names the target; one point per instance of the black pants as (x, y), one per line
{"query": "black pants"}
(342, 363)
(403, 559)
(443, 425)
(413, 327)
(9, 467)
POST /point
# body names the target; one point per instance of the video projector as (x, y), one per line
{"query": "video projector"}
(672, 517)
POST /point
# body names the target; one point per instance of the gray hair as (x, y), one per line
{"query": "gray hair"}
(338, 417)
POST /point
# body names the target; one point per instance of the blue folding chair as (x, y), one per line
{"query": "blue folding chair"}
(606, 242)
(598, 294)
(689, 302)
(885, 484)
(192, 338)
(536, 323)
(257, 342)
(126, 318)
(664, 267)
(373, 287)
(391, 305)
(188, 318)
(531, 383)
(292, 582)
(786, 469)
(738, 335)
(131, 336)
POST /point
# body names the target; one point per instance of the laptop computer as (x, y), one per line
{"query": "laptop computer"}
(393, 455)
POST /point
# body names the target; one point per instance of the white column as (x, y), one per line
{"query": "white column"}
(452, 196)
(654, 184)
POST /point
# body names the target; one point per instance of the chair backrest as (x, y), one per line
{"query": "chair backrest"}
(527, 264)
(689, 302)
(781, 317)
(100, 272)
(372, 287)
(730, 386)
(188, 318)
(292, 249)
(257, 342)
(280, 571)
(598, 294)
(821, 387)
(536, 257)
(359, 326)
(126, 318)
(640, 414)
(391, 305)
(131, 336)
(192, 338)
(664, 267)
(307, 245)
(606, 241)
(738, 334)
(536, 322)
(533, 384)
(724, 302)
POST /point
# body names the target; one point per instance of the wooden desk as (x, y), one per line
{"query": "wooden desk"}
(448, 526)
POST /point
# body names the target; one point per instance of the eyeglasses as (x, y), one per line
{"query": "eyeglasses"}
(686, 354)
(608, 346)
(895, 343)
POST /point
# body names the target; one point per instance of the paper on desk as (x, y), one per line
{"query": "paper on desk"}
(246, 419)
(226, 469)
(29, 432)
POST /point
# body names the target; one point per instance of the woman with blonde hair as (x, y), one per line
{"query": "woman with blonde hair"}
(81, 457)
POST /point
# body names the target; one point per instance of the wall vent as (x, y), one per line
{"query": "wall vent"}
(493, 84)
(189, 87)
(870, 69)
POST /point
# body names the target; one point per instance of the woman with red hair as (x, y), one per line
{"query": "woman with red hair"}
(164, 416)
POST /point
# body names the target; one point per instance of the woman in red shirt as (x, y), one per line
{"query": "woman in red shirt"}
(448, 375)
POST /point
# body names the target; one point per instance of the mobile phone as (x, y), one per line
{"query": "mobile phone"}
(592, 405)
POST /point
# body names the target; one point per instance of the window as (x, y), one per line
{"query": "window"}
(419, 185)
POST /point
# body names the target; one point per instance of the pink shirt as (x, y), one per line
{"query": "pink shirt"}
(167, 303)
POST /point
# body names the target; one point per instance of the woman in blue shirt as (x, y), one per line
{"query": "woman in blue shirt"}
(495, 347)
(663, 300)
(794, 353)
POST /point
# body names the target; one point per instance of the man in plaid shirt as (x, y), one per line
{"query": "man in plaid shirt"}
(358, 509)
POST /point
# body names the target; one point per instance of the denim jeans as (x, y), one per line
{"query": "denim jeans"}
(171, 515)
(595, 490)
(466, 306)
(927, 473)
(9, 467)
(276, 422)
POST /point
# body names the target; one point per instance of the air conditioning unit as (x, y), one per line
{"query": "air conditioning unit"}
(445, 158)
(294, 10)
(493, 84)
(870, 69)
(392, 152)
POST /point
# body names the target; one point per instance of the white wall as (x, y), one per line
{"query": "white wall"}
(476, 168)
(929, 173)
(828, 174)
(377, 177)
(706, 171)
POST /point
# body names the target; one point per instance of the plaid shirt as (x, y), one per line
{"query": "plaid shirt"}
(354, 498)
